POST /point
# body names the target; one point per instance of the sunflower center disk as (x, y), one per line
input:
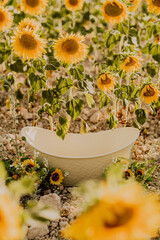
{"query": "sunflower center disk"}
(113, 10)
(106, 80)
(156, 3)
(70, 46)
(149, 92)
(119, 218)
(32, 3)
(55, 177)
(131, 62)
(28, 42)
(73, 2)
(2, 17)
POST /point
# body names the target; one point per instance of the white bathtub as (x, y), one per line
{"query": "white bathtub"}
(82, 156)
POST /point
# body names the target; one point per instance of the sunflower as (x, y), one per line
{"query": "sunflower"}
(29, 23)
(127, 174)
(126, 214)
(70, 48)
(74, 5)
(28, 165)
(154, 6)
(114, 11)
(157, 40)
(34, 7)
(56, 177)
(139, 173)
(6, 19)
(131, 64)
(149, 94)
(27, 44)
(135, 5)
(3, 2)
(10, 222)
(105, 82)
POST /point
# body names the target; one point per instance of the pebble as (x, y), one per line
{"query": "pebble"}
(51, 200)
(40, 230)
(96, 117)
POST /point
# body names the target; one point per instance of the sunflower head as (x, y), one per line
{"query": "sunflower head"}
(114, 11)
(139, 173)
(29, 23)
(135, 5)
(131, 64)
(34, 7)
(28, 166)
(157, 39)
(154, 6)
(28, 44)
(3, 2)
(6, 19)
(74, 5)
(127, 174)
(56, 177)
(70, 49)
(105, 82)
(149, 94)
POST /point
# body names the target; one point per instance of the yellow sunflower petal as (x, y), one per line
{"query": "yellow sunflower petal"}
(6, 19)
(126, 214)
(135, 3)
(28, 45)
(154, 6)
(56, 177)
(114, 11)
(131, 64)
(157, 39)
(3, 2)
(105, 82)
(70, 49)
(29, 23)
(150, 94)
(34, 7)
(74, 5)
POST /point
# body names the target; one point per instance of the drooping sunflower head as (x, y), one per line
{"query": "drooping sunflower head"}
(28, 45)
(125, 214)
(154, 6)
(131, 64)
(10, 222)
(6, 19)
(74, 5)
(30, 24)
(70, 49)
(56, 177)
(135, 5)
(114, 11)
(149, 94)
(34, 7)
(105, 82)
(157, 39)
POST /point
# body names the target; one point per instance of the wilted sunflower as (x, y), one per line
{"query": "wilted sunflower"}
(135, 6)
(125, 214)
(56, 177)
(149, 94)
(74, 5)
(154, 6)
(10, 222)
(29, 23)
(105, 82)
(6, 19)
(70, 48)
(114, 11)
(131, 64)
(34, 7)
(157, 39)
(27, 44)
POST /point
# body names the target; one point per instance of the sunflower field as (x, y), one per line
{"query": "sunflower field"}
(78, 68)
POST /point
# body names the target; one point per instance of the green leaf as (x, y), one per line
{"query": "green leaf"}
(103, 100)
(111, 121)
(141, 116)
(84, 127)
(64, 84)
(77, 72)
(17, 66)
(62, 127)
(52, 64)
(74, 108)
(3, 172)
(7, 82)
(50, 96)
(37, 82)
(151, 69)
(39, 65)
(113, 38)
(90, 100)
(19, 94)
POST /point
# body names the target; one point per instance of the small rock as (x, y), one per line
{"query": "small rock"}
(51, 200)
(25, 114)
(96, 117)
(63, 224)
(37, 231)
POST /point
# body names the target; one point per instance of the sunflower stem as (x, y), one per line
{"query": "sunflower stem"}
(51, 122)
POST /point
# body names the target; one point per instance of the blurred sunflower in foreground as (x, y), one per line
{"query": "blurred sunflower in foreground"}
(154, 6)
(149, 94)
(105, 82)
(114, 11)
(6, 19)
(3, 2)
(34, 7)
(27, 44)
(74, 5)
(70, 49)
(131, 64)
(126, 212)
